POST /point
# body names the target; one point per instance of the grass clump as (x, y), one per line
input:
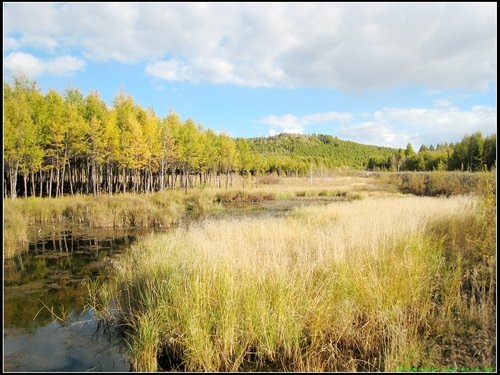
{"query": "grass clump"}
(15, 231)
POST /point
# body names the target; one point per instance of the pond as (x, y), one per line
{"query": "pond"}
(46, 283)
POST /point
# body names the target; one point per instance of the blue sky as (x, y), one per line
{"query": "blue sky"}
(384, 74)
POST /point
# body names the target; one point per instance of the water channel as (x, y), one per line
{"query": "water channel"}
(46, 282)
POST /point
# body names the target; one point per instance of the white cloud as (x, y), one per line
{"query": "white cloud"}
(443, 103)
(219, 70)
(376, 133)
(342, 45)
(283, 124)
(294, 124)
(20, 62)
(396, 127)
(10, 43)
(170, 70)
(443, 119)
(31, 66)
(63, 65)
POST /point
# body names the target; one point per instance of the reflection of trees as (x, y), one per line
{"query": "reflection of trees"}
(57, 288)
(54, 277)
(20, 310)
(37, 269)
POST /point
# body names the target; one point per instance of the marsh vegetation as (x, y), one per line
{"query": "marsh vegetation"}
(378, 283)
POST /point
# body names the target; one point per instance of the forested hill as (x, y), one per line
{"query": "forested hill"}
(317, 149)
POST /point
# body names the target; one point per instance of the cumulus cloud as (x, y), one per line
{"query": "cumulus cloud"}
(376, 133)
(20, 62)
(441, 124)
(170, 70)
(283, 124)
(337, 45)
(396, 127)
(294, 124)
(31, 66)
(173, 69)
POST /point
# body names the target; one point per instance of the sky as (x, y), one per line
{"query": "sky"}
(384, 74)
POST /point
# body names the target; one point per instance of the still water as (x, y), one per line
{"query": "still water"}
(50, 277)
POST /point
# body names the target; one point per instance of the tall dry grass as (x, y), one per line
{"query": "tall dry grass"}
(15, 230)
(369, 285)
(441, 183)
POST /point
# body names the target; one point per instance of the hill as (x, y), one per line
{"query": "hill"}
(297, 151)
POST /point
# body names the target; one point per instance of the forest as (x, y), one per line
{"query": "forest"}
(58, 144)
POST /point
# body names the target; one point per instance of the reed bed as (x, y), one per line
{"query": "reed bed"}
(369, 285)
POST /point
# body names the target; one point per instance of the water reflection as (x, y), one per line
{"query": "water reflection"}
(51, 274)
(71, 346)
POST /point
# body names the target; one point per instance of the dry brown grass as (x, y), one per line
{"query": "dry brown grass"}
(364, 285)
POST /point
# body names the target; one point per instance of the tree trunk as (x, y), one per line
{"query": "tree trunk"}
(13, 180)
(70, 177)
(94, 177)
(41, 182)
(49, 192)
(110, 180)
(32, 184)
(57, 181)
(25, 178)
(88, 178)
(63, 174)
(124, 181)
(162, 175)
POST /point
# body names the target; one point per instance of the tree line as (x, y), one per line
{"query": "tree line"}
(65, 144)
(473, 153)
(57, 144)
(289, 153)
